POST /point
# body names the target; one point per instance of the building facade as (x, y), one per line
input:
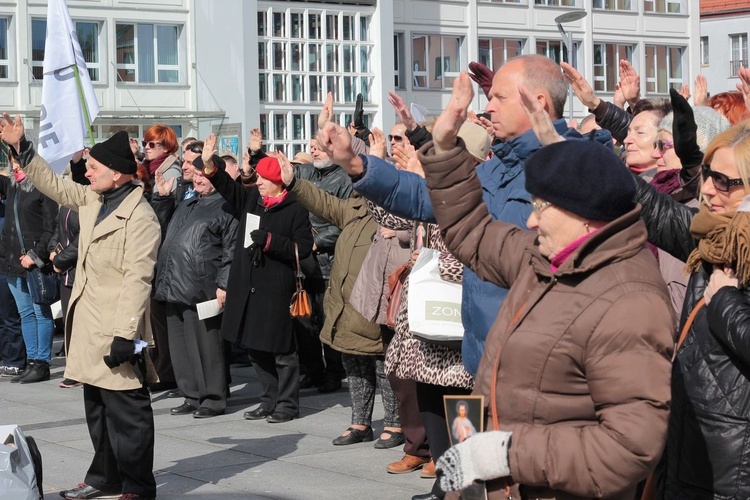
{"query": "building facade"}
(723, 42)
(231, 65)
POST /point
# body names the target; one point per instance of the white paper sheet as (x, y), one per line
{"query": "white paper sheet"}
(208, 309)
(56, 310)
(253, 223)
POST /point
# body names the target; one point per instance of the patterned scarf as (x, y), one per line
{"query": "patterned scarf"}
(723, 239)
(153, 165)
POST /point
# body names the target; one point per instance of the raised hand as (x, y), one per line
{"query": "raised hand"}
(163, 186)
(685, 91)
(402, 110)
(630, 83)
(11, 131)
(336, 142)
(287, 171)
(580, 86)
(326, 113)
(482, 75)
(744, 85)
(701, 91)
(209, 149)
(256, 140)
(540, 120)
(377, 143)
(618, 99)
(403, 154)
(446, 127)
(246, 168)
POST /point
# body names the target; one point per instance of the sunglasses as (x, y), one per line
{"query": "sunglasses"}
(663, 146)
(195, 149)
(397, 138)
(151, 144)
(722, 182)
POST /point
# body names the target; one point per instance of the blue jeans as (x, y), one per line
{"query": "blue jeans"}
(37, 324)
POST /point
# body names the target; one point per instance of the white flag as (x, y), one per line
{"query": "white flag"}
(62, 125)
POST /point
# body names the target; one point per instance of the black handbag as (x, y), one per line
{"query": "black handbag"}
(43, 282)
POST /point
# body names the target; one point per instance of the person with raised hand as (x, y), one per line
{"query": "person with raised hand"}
(261, 278)
(565, 421)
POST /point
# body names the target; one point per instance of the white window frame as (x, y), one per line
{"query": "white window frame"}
(671, 82)
(738, 56)
(428, 69)
(9, 49)
(179, 67)
(495, 62)
(655, 6)
(34, 63)
(557, 3)
(616, 5)
(629, 48)
(705, 53)
(563, 47)
(100, 49)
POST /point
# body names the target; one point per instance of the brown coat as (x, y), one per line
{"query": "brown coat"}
(116, 260)
(584, 374)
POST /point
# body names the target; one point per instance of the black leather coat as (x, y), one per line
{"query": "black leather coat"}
(708, 443)
(612, 118)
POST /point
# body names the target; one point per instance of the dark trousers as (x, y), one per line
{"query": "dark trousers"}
(278, 375)
(198, 361)
(432, 410)
(160, 352)
(408, 410)
(12, 347)
(121, 426)
(319, 360)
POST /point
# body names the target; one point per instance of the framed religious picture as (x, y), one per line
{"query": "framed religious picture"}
(464, 416)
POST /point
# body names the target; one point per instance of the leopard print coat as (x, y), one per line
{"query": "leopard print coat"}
(407, 356)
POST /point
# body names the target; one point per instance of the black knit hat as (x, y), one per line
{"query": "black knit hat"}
(115, 153)
(582, 177)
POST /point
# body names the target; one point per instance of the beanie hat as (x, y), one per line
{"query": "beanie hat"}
(582, 177)
(477, 140)
(115, 153)
(269, 169)
(710, 123)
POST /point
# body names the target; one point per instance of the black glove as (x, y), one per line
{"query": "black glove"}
(259, 237)
(684, 131)
(121, 351)
(359, 113)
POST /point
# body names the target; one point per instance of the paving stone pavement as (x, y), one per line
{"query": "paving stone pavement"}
(224, 457)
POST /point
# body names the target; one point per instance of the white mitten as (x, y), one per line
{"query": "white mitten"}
(482, 457)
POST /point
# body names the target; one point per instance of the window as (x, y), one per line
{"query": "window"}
(398, 60)
(4, 49)
(555, 48)
(704, 51)
(302, 55)
(613, 4)
(38, 35)
(556, 3)
(606, 64)
(501, 1)
(493, 52)
(436, 60)
(662, 6)
(663, 68)
(88, 38)
(148, 53)
(738, 47)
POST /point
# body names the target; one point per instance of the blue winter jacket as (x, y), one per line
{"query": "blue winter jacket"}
(503, 187)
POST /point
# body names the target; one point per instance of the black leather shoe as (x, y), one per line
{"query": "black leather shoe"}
(279, 417)
(86, 491)
(38, 373)
(426, 496)
(183, 409)
(355, 436)
(207, 413)
(257, 414)
(174, 393)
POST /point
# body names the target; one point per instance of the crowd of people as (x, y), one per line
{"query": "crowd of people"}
(603, 269)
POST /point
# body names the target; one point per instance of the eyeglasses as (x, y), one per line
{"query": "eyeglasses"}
(397, 138)
(722, 182)
(151, 144)
(663, 146)
(538, 206)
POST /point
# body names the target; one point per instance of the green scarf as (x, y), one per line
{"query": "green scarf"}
(724, 239)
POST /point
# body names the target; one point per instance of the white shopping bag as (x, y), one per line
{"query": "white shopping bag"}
(18, 478)
(434, 304)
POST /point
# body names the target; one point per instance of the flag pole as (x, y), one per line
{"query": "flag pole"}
(84, 105)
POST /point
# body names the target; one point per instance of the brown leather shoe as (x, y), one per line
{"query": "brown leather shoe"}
(428, 471)
(409, 463)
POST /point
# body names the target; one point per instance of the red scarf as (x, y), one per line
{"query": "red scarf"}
(153, 165)
(561, 257)
(269, 201)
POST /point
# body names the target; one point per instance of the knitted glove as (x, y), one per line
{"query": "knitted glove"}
(482, 75)
(482, 457)
(685, 131)
(121, 351)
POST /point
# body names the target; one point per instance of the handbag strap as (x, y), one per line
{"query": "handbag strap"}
(687, 325)
(298, 271)
(18, 223)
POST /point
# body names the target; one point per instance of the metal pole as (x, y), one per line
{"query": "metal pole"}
(570, 88)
